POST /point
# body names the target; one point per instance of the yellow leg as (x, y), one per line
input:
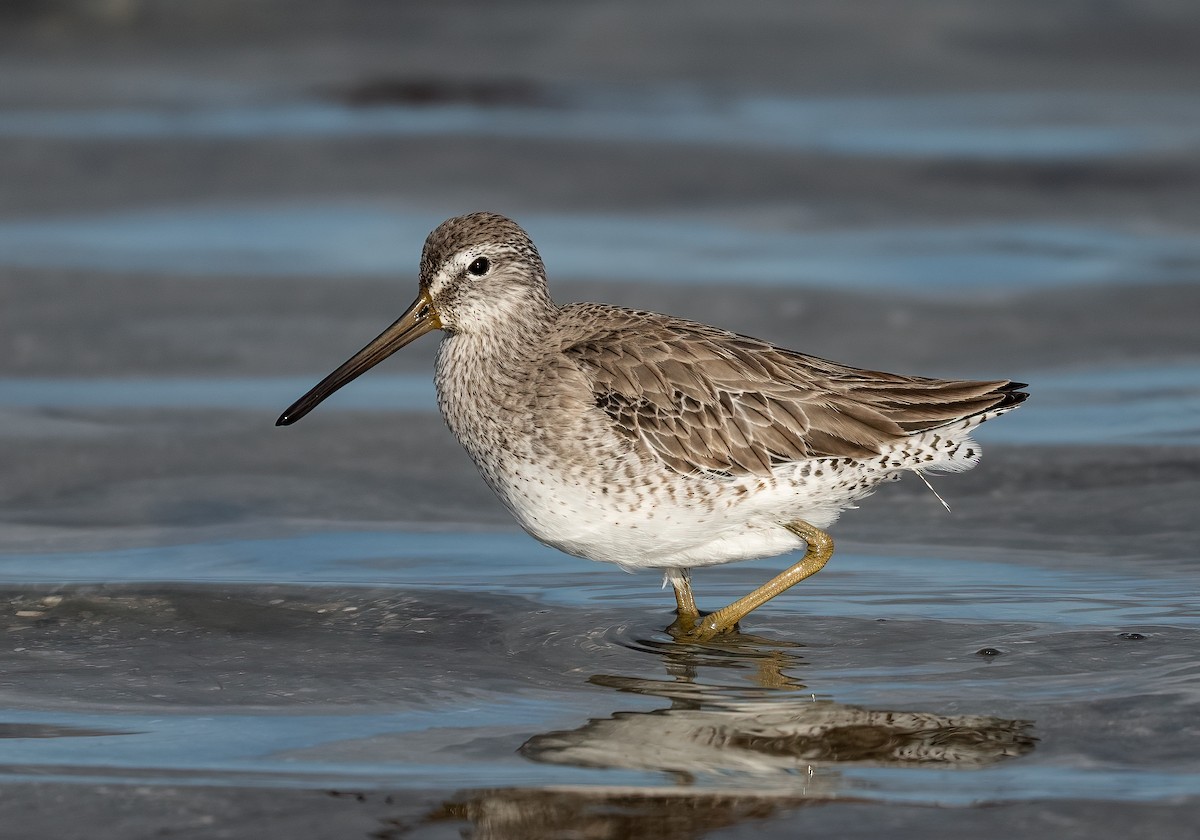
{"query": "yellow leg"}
(685, 603)
(817, 554)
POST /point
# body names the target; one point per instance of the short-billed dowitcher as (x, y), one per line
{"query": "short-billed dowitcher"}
(655, 442)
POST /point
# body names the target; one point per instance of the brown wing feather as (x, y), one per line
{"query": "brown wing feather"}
(703, 399)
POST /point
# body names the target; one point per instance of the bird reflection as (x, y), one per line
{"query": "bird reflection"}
(735, 750)
(774, 729)
(762, 666)
(594, 813)
(767, 738)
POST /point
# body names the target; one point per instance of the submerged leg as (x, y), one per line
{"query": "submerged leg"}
(681, 582)
(816, 555)
(685, 604)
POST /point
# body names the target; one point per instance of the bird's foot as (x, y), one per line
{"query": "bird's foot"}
(699, 628)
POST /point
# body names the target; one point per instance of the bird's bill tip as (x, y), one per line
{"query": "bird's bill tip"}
(417, 320)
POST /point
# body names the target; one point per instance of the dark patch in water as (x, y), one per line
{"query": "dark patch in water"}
(44, 730)
(431, 92)
(636, 815)
(1056, 176)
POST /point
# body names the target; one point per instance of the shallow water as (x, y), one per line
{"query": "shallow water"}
(399, 659)
(1011, 126)
(1143, 405)
(347, 240)
(212, 625)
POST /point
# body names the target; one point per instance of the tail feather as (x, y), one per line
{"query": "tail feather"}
(1001, 399)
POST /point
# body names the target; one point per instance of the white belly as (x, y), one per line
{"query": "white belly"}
(642, 528)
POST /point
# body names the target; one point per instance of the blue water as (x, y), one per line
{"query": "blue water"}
(339, 240)
(1080, 647)
(269, 394)
(258, 750)
(514, 563)
(451, 736)
(1023, 127)
(1130, 405)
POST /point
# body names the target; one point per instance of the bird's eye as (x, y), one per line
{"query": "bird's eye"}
(479, 267)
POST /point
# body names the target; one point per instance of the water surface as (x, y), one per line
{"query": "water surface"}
(212, 626)
(1127, 405)
(267, 662)
(1016, 126)
(333, 241)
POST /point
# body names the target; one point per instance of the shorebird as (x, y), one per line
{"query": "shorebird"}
(651, 441)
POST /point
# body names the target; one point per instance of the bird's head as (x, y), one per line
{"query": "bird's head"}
(478, 271)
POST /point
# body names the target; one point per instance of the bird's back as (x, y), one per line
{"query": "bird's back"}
(703, 399)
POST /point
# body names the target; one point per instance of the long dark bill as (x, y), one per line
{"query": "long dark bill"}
(414, 323)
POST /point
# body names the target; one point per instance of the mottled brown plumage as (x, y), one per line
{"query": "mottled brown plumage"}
(701, 398)
(652, 441)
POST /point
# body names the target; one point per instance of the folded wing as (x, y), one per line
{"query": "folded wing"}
(703, 399)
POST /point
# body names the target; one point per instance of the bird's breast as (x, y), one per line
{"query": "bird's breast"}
(484, 403)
